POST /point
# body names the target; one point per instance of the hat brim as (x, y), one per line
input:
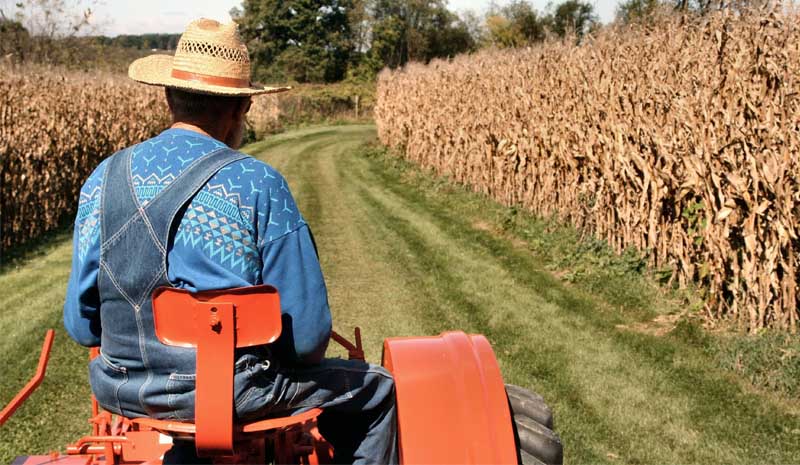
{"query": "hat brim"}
(156, 70)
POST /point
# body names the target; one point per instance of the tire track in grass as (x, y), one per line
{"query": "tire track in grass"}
(362, 291)
(450, 306)
(30, 295)
(407, 260)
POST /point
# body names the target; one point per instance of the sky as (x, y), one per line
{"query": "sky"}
(113, 17)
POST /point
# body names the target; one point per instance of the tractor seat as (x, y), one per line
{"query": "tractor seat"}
(216, 323)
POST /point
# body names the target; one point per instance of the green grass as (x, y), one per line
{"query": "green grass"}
(404, 253)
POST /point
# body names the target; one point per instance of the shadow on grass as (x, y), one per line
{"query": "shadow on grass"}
(35, 248)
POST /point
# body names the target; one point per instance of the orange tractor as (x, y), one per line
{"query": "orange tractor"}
(452, 404)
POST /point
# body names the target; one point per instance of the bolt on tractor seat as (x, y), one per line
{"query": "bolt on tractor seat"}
(217, 323)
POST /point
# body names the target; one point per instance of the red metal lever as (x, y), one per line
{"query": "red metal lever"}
(34, 382)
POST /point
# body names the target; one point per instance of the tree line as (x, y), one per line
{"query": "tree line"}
(323, 41)
(331, 40)
(141, 41)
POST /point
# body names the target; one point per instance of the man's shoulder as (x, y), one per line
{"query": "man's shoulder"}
(91, 186)
(251, 173)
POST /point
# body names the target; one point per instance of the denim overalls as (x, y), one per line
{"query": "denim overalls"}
(135, 375)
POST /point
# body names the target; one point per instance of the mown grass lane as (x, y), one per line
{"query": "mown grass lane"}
(404, 254)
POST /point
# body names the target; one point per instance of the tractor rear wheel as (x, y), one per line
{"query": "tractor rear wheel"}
(537, 443)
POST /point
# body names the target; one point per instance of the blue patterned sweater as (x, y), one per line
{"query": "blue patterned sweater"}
(242, 228)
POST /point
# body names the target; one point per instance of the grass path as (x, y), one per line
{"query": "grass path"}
(405, 255)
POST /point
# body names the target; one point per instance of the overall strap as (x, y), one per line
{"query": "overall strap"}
(117, 191)
(161, 211)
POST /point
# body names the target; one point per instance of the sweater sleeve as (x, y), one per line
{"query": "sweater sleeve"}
(82, 303)
(290, 264)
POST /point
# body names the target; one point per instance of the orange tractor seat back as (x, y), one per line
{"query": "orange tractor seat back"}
(216, 323)
(256, 312)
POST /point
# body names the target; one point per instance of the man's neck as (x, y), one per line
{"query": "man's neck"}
(218, 135)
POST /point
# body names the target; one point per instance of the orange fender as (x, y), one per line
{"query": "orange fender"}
(451, 400)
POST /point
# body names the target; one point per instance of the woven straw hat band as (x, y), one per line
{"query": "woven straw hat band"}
(212, 53)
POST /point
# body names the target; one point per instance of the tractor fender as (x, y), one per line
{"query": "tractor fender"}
(451, 400)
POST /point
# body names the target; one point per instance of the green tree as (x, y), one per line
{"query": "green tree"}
(500, 32)
(636, 10)
(416, 30)
(573, 16)
(302, 40)
(445, 36)
(514, 25)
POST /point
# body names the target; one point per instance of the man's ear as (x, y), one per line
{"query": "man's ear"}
(243, 108)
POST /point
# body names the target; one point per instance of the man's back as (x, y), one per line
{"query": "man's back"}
(185, 210)
(240, 228)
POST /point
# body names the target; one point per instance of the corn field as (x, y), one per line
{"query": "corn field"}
(678, 138)
(55, 128)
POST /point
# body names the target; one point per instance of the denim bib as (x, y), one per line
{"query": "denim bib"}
(135, 375)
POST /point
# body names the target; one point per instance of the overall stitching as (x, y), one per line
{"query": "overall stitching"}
(117, 369)
(150, 230)
(145, 361)
(105, 241)
(245, 397)
(152, 284)
(139, 208)
(124, 294)
(250, 366)
(173, 377)
(142, 340)
(113, 239)
(296, 390)
(111, 365)
(116, 391)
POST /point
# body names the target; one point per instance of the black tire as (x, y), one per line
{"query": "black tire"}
(527, 459)
(536, 442)
(529, 404)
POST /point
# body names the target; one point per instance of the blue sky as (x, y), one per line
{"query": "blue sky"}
(114, 17)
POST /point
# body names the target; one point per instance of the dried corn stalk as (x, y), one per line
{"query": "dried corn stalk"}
(55, 128)
(679, 139)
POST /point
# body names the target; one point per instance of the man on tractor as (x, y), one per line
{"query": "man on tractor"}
(185, 209)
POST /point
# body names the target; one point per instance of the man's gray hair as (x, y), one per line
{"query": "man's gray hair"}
(199, 107)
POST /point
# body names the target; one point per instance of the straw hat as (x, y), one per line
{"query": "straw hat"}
(210, 59)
